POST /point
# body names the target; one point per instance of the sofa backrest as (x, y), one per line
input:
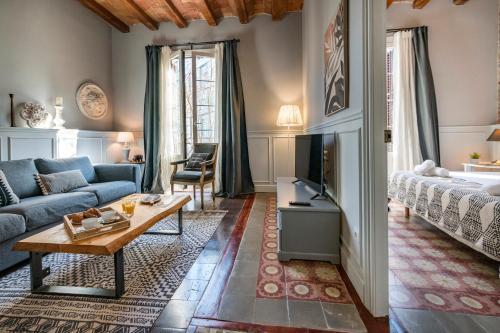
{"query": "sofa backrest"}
(21, 177)
(47, 166)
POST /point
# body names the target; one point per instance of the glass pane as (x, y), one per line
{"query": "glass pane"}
(175, 108)
(189, 103)
(205, 99)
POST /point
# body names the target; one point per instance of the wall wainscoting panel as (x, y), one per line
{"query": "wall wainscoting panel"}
(457, 142)
(272, 155)
(348, 149)
(100, 146)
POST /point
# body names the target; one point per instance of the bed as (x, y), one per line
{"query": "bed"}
(456, 205)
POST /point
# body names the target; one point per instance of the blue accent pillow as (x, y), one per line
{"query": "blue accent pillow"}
(47, 166)
(61, 182)
(7, 196)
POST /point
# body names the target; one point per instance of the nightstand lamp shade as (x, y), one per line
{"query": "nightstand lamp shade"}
(289, 115)
(495, 135)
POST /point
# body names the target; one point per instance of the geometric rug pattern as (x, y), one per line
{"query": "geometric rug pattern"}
(155, 265)
(296, 279)
(430, 270)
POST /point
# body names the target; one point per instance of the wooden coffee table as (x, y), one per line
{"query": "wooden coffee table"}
(56, 239)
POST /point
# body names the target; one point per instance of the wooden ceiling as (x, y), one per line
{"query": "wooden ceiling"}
(419, 4)
(121, 14)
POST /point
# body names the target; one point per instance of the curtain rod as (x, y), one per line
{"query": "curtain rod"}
(403, 29)
(201, 43)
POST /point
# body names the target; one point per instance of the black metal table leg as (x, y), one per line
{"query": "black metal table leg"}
(38, 273)
(119, 274)
(170, 232)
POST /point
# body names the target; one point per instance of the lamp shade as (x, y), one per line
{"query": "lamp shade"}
(125, 137)
(495, 135)
(289, 115)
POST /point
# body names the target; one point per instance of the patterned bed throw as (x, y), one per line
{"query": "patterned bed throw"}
(456, 206)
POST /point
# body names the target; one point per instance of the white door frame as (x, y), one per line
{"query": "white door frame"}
(374, 160)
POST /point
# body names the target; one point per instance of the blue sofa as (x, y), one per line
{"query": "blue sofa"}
(36, 212)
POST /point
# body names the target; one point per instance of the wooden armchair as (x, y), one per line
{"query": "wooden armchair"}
(201, 176)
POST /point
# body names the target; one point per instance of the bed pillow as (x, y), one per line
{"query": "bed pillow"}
(194, 162)
(7, 196)
(492, 189)
(61, 182)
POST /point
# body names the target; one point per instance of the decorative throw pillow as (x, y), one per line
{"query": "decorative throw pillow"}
(194, 163)
(7, 196)
(61, 182)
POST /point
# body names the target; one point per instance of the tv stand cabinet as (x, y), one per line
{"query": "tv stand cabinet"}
(306, 232)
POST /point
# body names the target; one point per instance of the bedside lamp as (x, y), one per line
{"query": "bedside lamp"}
(289, 116)
(125, 138)
(495, 136)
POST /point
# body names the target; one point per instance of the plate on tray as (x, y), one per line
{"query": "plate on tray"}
(150, 199)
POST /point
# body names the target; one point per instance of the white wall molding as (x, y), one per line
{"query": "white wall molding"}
(336, 120)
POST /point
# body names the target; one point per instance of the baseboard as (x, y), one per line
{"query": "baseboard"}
(265, 187)
(352, 269)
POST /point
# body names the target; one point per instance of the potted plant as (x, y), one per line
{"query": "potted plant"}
(474, 158)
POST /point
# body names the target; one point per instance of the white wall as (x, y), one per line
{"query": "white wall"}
(48, 48)
(463, 53)
(270, 61)
(347, 124)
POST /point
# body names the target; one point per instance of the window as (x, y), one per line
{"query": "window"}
(389, 84)
(198, 110)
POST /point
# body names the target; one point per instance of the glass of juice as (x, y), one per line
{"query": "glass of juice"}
(128, 206)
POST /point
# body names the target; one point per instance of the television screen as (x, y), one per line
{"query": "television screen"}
(309, 160)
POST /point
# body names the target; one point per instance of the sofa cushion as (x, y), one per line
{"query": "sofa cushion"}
(61, 182)
(109, 191)
(46, 166)
(7, 195)
(20, 174)
(11, 225)
(189, 175)
(42, 210)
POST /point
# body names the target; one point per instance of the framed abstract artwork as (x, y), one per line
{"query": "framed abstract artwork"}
(336, 62)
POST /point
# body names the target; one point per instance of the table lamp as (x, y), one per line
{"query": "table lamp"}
(125, 138)
(495, 136)
(289, 116)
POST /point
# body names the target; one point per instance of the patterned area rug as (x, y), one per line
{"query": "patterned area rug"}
(431, 270)
(155, 265)
(298, 279)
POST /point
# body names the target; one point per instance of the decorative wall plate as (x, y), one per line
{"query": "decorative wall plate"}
(92, 100)
(35, 115)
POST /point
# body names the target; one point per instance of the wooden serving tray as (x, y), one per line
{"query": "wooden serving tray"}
(77, 233)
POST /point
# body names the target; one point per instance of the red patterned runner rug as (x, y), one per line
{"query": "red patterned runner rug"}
(297, 279)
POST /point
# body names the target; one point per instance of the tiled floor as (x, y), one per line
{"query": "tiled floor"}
(424, 318)
(240, 304)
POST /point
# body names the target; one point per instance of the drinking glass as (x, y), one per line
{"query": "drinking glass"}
(128, 207)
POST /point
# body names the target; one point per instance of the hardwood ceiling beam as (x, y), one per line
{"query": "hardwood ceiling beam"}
(419, 4)
(176, 16)
(460, 2)
(241, 9)
(105, 14)
(278, 9)
(206, 12)
(147, 20)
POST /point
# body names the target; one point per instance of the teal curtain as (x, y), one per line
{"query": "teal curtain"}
(236, 177)
(425, 95)
(152, 118)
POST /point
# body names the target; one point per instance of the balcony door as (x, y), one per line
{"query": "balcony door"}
(195, 92)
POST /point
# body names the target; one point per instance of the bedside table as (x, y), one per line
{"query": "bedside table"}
(469, 167)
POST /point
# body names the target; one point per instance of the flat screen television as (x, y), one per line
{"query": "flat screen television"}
(309, 161)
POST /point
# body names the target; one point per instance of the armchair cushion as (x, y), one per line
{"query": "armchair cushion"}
(194, 162)
(191, 175)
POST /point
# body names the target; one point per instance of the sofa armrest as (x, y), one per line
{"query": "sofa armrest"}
(114, 172)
